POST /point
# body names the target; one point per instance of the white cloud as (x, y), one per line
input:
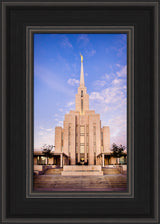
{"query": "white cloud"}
(120, 47)
(52, 80)
(45, 139)
(118, 121)
(83, 38)
(96, 96)
(120, 51)
(107, 108)
(73, 75)
(44, 130)
(107, 76)
(122, 72)
(116, 81)
(99, 83)
(66, 43)
(49, 129)
(118, 129)
(73, 82)
(118, 65)
(92, 52)
(70, 104)
(86, 74)
(44, 136)
(113, 95)
(60, 123)
(86, 46)
(40, 133)
(110, 103)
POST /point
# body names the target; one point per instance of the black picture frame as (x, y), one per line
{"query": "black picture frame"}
(143, 206)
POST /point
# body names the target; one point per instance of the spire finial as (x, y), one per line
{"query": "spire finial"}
(82, 73)
(81, 57)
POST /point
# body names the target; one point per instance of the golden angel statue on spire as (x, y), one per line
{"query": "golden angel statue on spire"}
(81, 57)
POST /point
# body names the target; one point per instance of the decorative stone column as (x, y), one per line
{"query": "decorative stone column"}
(78, 143)
(102, 160)
(85, 147)
(61, 160)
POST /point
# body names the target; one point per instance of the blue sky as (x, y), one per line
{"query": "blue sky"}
(56, 79)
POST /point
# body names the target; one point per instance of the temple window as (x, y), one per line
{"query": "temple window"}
(81, 106)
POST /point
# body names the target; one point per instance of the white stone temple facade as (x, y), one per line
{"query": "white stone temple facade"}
(82, 140)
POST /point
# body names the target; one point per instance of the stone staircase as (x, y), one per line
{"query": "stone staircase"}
(80, 183)
(90, 170)
(54, 171)
(81, 178)
(110, 171)
(82, 171)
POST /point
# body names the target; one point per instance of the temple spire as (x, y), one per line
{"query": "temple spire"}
(82, 73)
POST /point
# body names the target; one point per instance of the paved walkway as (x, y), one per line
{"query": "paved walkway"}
(56, 182)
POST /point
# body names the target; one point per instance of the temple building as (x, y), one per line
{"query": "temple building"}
(82, 140)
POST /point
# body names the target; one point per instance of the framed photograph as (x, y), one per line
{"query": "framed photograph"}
(80, 112)
(84, 156)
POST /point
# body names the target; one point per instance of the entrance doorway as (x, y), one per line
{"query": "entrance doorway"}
(82, 161)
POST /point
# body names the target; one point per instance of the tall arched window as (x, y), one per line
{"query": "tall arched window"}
(81, 106)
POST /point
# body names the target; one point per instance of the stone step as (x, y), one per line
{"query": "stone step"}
(82, 168)
(53, 171)
(98, 183)
(109, 171)
(82, 173)
(75, 170)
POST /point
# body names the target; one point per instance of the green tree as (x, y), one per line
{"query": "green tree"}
(47, 151)
(117, 151)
